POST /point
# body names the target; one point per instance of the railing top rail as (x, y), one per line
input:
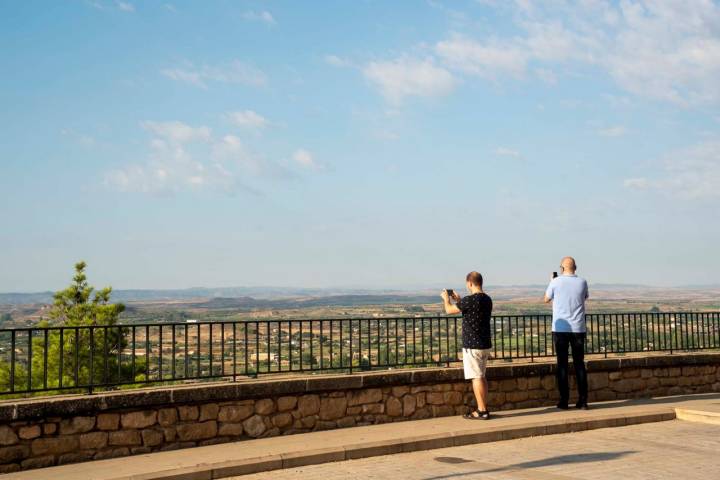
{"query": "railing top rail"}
(335, 319)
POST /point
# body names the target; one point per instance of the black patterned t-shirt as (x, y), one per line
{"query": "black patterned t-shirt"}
(476, 311)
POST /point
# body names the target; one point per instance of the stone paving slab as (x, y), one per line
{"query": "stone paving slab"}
(253, 456)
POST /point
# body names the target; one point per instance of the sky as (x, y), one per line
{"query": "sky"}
(358, 143)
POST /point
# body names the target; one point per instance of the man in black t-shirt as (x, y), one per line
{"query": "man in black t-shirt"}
(476, 310)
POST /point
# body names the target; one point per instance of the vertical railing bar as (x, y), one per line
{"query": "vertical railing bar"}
(62, 358)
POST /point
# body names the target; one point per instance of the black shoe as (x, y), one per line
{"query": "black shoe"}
(582, 406)
(480, 415)
(562, 406)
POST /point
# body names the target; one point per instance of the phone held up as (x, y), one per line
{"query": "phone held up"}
(450, 292)
(554, 274)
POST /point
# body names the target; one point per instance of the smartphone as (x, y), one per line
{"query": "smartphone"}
(554, 274)
(450, 292)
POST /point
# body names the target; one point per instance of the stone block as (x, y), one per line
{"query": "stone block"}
(141, 419)
(188, 413)
(309, 405)
(346, 422)
(368, 395)
(435, 398)
(49, 428)
(38, 462)
(14, 453)
(7, 436)
(308, 422)
(54, 445)
(230, 429)
(453, 398)
(420, 399)
(286, 403)
(598, 380)
(400, 391)
(508, 385)
(29, 432)
(632, 373)
(124, 437)
(152, 437)
(517, 396)
(73, 425)
(394, 407)
(615, 375)
(548, 382)
(235, 413)
(108, 421)
(265, 406)
(325, 425)
(93, 440)
(170, 434)
(112, 453)
(74, 457)
(254, 426)
(167, 417)
(282, 420)
(442, 410)
(196, 431)
(209, 411)
(332, 408)
(373, 408)
(409, 404)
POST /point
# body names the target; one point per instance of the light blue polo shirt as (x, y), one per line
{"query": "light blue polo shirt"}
(568, 293)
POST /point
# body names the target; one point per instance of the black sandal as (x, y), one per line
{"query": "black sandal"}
(480, 415)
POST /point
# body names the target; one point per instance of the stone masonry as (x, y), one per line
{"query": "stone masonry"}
(58, 430)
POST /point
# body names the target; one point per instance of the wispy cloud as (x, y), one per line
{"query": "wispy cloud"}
(616, 131)
(232, 72)
(305, 159)
(336, 61)
(261, 16)
(125, 6)
(667, 51)
(177, 132)
(184, 158)
(507, 152)
(248, 119)
(692, 173)
(406, 77)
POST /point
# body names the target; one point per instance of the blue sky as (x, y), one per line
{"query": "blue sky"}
(358, 143)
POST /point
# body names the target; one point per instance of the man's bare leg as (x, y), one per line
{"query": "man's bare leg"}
(480, 388)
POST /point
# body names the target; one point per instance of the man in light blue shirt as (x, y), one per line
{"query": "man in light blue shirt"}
(568, 293)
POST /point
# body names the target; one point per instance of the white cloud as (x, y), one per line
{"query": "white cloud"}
(336, 61)
(692, 173)
(616, 131)
(170, 7)
(262, 16)
(233, 72)
(507, 152)
(182, 158)
(406, 77)
(662, 50)
(177, 132)
(305, 159)
(248, 119)
(489, 60)
(125, 6)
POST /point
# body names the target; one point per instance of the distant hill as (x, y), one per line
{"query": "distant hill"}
(307, 297)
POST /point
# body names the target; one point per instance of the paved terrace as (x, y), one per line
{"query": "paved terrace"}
(288, 452)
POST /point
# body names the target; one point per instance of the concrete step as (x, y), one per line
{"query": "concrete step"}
(240, 458)
(704, 415)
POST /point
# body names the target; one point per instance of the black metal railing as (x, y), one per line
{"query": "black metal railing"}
(85, 358)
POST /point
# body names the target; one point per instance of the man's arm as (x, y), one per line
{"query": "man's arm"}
(549, 294)
(450, 309)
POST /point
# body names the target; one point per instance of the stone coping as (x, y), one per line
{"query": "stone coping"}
(72, 405)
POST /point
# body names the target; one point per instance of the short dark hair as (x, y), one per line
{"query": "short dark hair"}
(475, 278)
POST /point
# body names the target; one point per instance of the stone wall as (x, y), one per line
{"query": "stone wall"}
(57, 430)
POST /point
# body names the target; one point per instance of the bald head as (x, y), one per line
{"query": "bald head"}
(568, 265)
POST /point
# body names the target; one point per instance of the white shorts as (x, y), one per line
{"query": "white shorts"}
(475, 362)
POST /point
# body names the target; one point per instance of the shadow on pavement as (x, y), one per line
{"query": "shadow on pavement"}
(616, 404)
(546, 462)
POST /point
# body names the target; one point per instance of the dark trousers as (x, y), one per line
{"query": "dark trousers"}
(576, 342)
